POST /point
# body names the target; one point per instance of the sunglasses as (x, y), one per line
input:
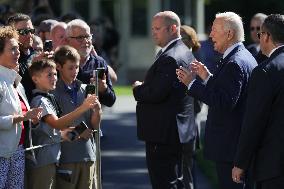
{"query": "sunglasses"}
(255, 28)
(260, 33)
(26, 31)
(81, 38)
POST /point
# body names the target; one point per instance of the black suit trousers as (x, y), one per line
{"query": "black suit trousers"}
(188, 150)
(164, 162)
(277, 182)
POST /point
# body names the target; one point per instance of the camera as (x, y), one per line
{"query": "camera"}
(47, 45)
(78, 130)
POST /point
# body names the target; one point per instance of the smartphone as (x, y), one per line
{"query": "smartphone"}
(90, 89)
(47, 45)
(101, 72)
(78, 130)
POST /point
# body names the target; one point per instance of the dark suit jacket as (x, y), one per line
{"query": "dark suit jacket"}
(225, 93)
(162, 103)
(262, 136)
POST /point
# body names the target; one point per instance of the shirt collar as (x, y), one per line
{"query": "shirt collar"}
(169, 43)
(274, 50)
(87, 60)
(231, 48)
(10, 75)
(75, 85)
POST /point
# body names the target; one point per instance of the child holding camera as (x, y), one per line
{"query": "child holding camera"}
(76, 168)
(42, 174)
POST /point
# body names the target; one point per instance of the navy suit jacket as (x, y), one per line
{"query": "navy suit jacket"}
(164, 112)
(262, 136)
(225, 93)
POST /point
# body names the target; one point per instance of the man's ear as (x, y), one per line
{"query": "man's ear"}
(173, 28)
(230, 35)
(58, 66)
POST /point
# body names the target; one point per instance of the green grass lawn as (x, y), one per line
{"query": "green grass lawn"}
(207, 167)
(123, 90)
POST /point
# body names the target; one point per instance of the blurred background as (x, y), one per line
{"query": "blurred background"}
(123, 27)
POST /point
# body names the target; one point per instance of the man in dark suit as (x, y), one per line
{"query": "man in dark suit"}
(224, 92)
(165, 115)
(262, 135)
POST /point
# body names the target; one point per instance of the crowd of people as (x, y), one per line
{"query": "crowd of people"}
(244, 94)
(45, 73)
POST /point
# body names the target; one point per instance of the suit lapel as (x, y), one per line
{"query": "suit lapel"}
(225, 61)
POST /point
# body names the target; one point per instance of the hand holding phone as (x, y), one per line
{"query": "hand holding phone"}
(77, 131)
(47, 45)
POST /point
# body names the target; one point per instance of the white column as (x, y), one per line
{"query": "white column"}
(124, 30)
(94, 9)
(187, 12)
(200, 19)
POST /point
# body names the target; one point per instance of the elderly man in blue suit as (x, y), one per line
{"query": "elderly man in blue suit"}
(165, 116)
(225, 93)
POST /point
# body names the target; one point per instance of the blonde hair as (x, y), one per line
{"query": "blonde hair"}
(191, 37)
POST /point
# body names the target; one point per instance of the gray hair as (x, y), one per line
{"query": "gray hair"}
(58, 25)
(259, 16)
(233, 21)
(76, 23)
(170, 17)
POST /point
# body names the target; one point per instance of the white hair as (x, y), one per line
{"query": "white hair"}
(58, 25)
(233, 21)
(260, 17)
(76, 23)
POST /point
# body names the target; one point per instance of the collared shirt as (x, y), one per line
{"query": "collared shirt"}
(228, 50)
(44, 134)
(79, 150)
(9, 105)
(274, 50)
(72, 91)
(169, 43)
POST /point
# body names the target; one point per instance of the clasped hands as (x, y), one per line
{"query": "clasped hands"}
(186, 76)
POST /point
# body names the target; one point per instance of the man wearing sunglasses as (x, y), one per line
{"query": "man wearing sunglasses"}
(254, 48)
(25, 28)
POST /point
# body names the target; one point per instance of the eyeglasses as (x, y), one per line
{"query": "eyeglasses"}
(260, 33)
(257, 28)
(81, 38)
(26, 31)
